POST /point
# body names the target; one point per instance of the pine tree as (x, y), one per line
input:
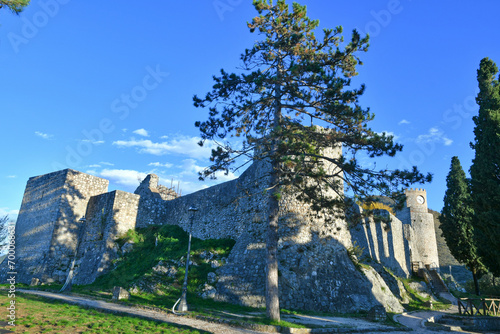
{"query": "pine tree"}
(16, 6)
(485, 169)
(456, 221)
(292, 79)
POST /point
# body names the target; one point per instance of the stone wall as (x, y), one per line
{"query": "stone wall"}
(382, 238)
(109, 216)
(316, 272)
(47, 225)
(152, 201)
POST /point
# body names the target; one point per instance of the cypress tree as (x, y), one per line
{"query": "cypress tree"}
(456, 221)
(485, 169)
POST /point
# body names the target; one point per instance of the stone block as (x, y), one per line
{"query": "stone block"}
(120, 293)
(211, 278)
(35, 281)
(377, 313)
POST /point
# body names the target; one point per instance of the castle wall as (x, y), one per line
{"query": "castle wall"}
(152, 208)
(316, 272)
(383, 240)
(109, 216)
(47, 225)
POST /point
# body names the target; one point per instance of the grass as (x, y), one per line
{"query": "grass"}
(40, 315)
(168, 244)
(417, 302)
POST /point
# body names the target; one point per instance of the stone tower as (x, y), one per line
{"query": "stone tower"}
(48, 223)
(420, 232)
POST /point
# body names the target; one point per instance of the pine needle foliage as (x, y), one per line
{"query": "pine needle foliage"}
(291, 78)
(15, 6)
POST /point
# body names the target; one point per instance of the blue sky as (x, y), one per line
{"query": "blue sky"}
(107, 89)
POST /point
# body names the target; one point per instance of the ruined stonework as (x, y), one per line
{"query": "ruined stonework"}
(405, 242)
(152, 196)
(316, 271)
(109, 216)
(48, 223)
(382, 238)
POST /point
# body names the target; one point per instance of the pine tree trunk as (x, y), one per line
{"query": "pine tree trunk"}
(476, 282)
(272, 291)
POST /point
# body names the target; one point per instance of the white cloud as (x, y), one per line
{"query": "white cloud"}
(141, 132)
(181, 145)
(389, 133)
(159, 164)
(190, 170)
(94, 142)
(43, 135)
(9, 212)
(94, 166)
(434, 135)
(11, 176)
(124, 177)
(106, 163)
(403, 121)
(447, 141)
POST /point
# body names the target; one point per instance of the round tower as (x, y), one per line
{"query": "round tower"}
(424, 234)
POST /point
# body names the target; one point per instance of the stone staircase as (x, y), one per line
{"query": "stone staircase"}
(437, 282)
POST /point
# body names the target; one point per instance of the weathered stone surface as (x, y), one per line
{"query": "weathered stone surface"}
(127, 247)
(377, 313)
(120, 293)
(208, 292)
(109, 216)
(211, 278)
(421, 288)
(383, 241)
(162, 269)
(48, 224)
(422, 235)
(381, 292)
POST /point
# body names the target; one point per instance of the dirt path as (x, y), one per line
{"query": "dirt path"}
(414, 321)
(147, 314)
